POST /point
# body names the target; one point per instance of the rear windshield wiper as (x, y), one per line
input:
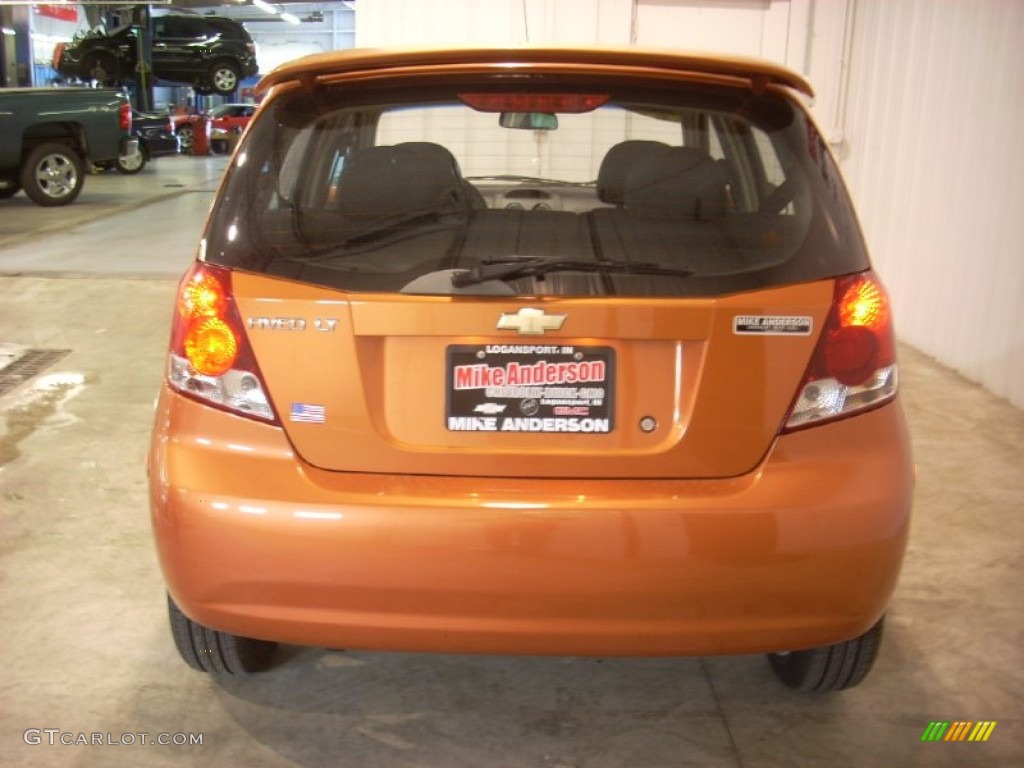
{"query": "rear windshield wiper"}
(509, 270)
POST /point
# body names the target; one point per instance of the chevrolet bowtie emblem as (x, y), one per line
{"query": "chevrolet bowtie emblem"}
(530, 322)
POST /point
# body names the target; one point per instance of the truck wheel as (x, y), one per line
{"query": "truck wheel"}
(101, 67)
(224, 78)
(831, 667)
(209, 650)
(52, 174)
(131, 164)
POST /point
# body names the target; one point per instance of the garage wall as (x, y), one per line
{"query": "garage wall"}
(932, 152)
(278, 42)
(750, 27)
(921, 100)
(495, 22)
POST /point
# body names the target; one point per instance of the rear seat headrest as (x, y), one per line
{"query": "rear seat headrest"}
(680, 182)
(404, 180)
(616, 165)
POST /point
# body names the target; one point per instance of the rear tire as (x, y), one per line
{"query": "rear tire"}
(831, 667)
(101, 67)
(131, 164)
(221, 653)
(52, 174)
(186, 139)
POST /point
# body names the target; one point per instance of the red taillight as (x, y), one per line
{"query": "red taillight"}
(854, 364)
(851, 354)
(863, 304)
(534, 102)
(858, 339)
(210, 356)
(202, 294)
(126, 117)
(211, 346)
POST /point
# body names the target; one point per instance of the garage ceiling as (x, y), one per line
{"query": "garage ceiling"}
(199, 5)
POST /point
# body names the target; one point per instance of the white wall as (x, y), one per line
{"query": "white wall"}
(750, 27)
(933, 154)
(382, 23)
(923, 100)
(278, 41)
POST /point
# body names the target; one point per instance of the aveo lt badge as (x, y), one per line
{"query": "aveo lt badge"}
(530, 322)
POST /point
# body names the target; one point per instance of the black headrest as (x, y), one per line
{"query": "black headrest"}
(398, 183)
(616, 165)
(680, 182)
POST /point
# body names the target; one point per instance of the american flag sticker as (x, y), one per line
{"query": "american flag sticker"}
(308, 413)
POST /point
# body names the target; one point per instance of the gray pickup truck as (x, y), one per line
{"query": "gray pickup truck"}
(48, 135)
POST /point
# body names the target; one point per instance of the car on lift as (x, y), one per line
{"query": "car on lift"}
(156, 138)
(532, 351)
(211, 53)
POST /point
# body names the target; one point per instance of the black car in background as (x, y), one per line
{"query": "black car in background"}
(157, 138)
(210, 53)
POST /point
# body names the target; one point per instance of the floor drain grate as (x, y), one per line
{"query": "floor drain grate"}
(30, 363)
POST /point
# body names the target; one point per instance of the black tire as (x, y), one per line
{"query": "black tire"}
(223, 77)
(52, 174)
(9, 188)
(220, 653)
(186, 138)
(101, 67)
(831, 667)
(131, 164)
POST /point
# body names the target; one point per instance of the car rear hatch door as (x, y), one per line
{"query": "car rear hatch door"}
(597, 387)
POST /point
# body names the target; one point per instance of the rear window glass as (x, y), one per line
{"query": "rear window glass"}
(551, 188)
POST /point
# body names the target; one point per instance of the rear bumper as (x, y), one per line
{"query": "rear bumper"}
(160, 145)
(805, 551)
(129, 146)
(250, 66)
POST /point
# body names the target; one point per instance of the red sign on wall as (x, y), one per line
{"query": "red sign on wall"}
(63, 12)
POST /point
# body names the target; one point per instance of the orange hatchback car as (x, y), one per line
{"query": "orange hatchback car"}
(532, 351)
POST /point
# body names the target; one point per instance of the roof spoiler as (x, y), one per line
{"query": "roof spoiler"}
(359, 64)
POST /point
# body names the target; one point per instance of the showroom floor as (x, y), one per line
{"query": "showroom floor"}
(86, 655)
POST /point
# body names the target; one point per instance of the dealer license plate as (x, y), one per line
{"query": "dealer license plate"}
(530, 388)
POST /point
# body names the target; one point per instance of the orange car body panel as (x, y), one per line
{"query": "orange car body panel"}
(368, 63)
(380, 374)
(254, 541)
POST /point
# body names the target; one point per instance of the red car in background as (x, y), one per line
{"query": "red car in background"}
(225, 119)
(231, 117)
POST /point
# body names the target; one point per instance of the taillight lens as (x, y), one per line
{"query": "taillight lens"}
(126, 117)
(854, 364)
(211, 346)
(210, 357)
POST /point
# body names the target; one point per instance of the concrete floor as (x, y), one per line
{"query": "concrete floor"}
(84, 644)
